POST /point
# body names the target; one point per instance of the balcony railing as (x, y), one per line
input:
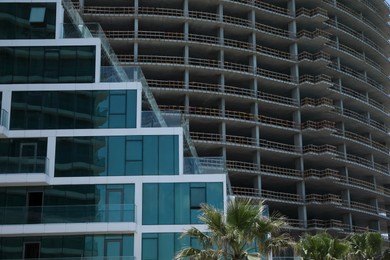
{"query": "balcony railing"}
(23, 164)
(4, 118)
(355, 34)
(172, 119)
(356, 15)
(311, 12)
(67, 214)
(82, 258)
(354, 94)
(263, 6)
(214, 112)
(204, 165)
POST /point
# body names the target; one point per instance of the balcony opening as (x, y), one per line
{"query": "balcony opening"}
(31, 250)
(34, 207)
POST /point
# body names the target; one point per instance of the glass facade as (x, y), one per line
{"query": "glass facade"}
(23, 155)
(117, 156)
(73, 109)
(27, 20)
(67, 204)
(74, 247)
(157, 246)
(47, 64)
(178, 203)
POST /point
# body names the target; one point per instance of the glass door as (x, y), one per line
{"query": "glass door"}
(113, 249)
(34, 207)
(114, 205)
(28, 157)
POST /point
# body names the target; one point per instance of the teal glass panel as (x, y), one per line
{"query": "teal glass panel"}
(7, 64)
(131, 119)
(195, 213)
(128, 245)
(166, 152)
(21, 65)
(150, 204)
(198, 197)
(54, 243)
(181, 242)
(37, 14)
(117, 121)
(182, 203)
(134, 168)
(150, 155)
(117, 104)
(23, 155)
(71, 246)
(134, 150)
(52, 66)
(215, 194)
(113, 248)
(36, 66)
(166, 246)
(12, 248)
(28, 20)
(116, 158)
(166, 204)
(63, 110)
(150, 249)
(47, 64)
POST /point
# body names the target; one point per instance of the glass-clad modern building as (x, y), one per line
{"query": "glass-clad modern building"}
(83, 172)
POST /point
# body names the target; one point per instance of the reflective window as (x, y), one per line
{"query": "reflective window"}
(70, 204)
(49, 64)
(37, 14)
(27, 20)
(178, 203)
(157, 246)
(116, 156)
(70, 110)
(68, 247)
(24, 155)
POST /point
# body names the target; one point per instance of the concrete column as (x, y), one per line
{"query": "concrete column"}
(257, 184)
(301, 191)
(185, 8)
(291, 7)
(342, 148)
(347, 219)
(346, 197)
(375, 225)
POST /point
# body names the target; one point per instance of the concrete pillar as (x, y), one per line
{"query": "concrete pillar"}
(347, 219)
(346, 197)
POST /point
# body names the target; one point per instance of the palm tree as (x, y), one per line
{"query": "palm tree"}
(323, 247)
(244, 232)
(365, 245)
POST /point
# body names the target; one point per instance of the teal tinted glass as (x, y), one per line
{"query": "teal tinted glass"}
(28, 20)
(71, 247)
(178, 203)
(161, 246)
(24, 155)
(69, 204)
(113, 156)
(49, 64)
(67, 110)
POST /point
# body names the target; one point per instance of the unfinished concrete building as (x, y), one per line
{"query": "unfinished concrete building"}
(293, 93)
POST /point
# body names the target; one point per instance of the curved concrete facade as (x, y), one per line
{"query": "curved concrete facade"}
(293, 93)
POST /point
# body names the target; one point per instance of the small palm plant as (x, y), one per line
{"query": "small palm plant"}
(366, 245)
(323, 246)
(244, 232)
